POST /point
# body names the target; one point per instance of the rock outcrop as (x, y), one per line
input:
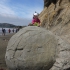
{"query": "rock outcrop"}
(63, 57)
(32, 48)
(55, 14)
(48, 2)
(56, 18)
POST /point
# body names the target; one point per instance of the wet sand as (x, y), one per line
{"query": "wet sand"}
(3, 45)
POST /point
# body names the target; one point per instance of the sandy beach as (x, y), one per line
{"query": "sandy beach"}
(3, 45)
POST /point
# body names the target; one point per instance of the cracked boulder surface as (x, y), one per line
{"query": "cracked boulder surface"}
(63, 56)
(32, 48)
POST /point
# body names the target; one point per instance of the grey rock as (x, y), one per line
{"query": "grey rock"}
(32, 48)
(56, 18)
(63, 56)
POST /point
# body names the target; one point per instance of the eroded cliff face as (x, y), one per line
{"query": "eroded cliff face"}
(48, 2)
(56, 17)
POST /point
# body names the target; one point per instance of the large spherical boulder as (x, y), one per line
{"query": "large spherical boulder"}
(32, 48)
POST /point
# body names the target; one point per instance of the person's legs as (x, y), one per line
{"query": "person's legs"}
(36, 24)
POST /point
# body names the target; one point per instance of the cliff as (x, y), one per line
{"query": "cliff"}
(56, 17)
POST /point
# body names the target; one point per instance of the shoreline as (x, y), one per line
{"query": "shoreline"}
(3, 45)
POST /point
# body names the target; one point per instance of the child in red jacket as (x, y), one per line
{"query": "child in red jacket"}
(36, 20)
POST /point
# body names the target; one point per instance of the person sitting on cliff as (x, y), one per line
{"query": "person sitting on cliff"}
(36, 20)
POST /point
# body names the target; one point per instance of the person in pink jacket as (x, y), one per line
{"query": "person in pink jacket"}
(36, 20)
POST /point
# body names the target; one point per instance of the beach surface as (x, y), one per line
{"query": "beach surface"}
(3, 45)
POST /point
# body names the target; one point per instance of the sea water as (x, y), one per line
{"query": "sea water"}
(7, 30)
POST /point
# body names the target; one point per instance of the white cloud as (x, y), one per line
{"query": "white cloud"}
(15, 21)
(15, 14)
(18, 10)
(6, 11)
(25, 11)
(7, 15)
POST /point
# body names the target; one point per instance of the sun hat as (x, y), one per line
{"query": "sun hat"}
(36, 14)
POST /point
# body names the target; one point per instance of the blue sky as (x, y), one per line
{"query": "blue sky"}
(19, 12)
